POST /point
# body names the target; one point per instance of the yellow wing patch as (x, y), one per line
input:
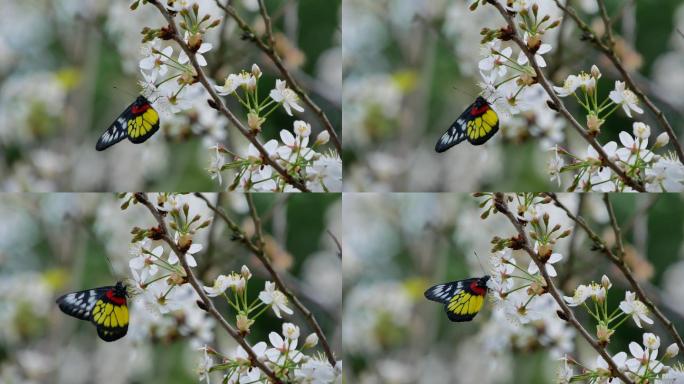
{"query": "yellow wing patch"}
(481, 128)
(142, 125)
(110, 319)
(466, 305)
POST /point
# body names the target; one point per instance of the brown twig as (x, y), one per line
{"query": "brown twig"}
(502, 207)
(269, 49)
(192, 279)
(544, 82)
(221, 106)
(337, 244)
(620, 262)
(608, 50)
(259, 252)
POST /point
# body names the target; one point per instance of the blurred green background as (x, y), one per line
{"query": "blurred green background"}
(56, 243)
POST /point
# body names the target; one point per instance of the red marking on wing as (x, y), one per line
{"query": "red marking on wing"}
(474, 111)
(139, 109)
(115, 299)
(477, 289)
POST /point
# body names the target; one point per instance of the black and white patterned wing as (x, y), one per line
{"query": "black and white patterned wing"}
(116, 132)
(455, 134)
(80, 304)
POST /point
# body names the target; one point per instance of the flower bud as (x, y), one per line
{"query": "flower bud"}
(195, 41)
(254, 121)
(605, 282)
(312, 340)
(290, 331)
(641, 130)
(662, 140)
(245, 272)
(322, 138)
(244, 323)
(672, 350)
(603, 333)
(594, 124)
(256, 71)
(302, 128)
(595, 73)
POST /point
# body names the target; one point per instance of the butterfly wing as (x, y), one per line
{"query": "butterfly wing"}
(116, 132)
(460, 302)
(80, 304)
(143, 122)
(455, 134)
(110, 316)
(138, 122)
(482, 127)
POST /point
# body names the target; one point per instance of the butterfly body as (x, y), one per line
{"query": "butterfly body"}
(137, 123)
(477, 124)
(105, 307)
(462, 299)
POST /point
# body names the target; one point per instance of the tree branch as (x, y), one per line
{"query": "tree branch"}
(620, 263)
(269, 50)
(210, 308)
(258, 250)
(612, 56)
(221, 106)
(502, 207)
(544, 82)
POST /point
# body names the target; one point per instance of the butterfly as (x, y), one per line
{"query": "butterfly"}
(478, 123)
(105, 307)
(137, 123)
(462, 299)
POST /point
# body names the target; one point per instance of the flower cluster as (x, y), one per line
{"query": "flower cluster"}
(509, 80)
(642, 365)
(283, 357)
(521, 298)
(166, 303)
(659, 173)
(319, 170)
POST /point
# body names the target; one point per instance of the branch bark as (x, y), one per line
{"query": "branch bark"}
(210, 308)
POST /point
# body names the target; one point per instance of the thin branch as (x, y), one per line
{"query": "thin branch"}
(210, 308)
(610, 53)
(622, 265)
(269, 50)
(265, 156)
(337, 244)
(607, 24)
(279, 282)
(544, 82)
(502, 207)
(616, 227)
(572, 247)
(259, 252)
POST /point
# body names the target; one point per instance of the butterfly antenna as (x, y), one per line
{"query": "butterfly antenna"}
(462, 91)
(479, 261)
(123, 90)
(111, 267)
